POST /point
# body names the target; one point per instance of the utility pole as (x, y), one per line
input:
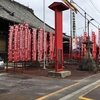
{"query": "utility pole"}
(71, 31)
(44, 30)
(85, 21)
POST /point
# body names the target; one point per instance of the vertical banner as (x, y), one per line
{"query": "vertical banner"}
(70, 47)
(80, 42)
(18, 37)
(10, 44)
(40, 44)
(29, 45)
(77, 47)
(84, 46)
(51, 46)
(94, 45)
(26, 32)
(34, 44)
(73, 31)
(21, 44)
(15, 55)
(76, 41)
(45, 46)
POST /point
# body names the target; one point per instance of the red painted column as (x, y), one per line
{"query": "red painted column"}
(58, 7)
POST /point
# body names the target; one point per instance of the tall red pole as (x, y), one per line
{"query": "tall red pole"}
(58, 7)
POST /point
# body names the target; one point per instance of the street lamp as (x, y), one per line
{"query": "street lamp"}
(89, 45)
(88, 25)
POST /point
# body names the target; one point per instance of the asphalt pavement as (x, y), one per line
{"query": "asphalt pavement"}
(29, 87)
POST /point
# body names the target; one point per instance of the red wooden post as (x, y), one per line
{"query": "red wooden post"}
(58, 7)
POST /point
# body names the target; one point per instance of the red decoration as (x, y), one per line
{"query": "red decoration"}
(51, 46)
(82, 45)
(45, 46)
(15, 55)
(40, 44)
(21, 44)
(84, 39)
(29, 46)
(26, 26)
(34, 44)
(94, 45)
(10, 44)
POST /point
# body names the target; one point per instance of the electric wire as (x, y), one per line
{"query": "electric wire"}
(91, 9)
(85, 12)
(94, 6)
(90, 22)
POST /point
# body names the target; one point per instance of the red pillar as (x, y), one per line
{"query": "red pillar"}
(58, 7)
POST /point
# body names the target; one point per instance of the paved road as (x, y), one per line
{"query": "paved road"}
(93, 94)
(28, 87)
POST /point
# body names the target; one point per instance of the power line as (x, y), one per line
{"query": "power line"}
(90, 22)
(91, 8)
(86, 13)
(94, 6)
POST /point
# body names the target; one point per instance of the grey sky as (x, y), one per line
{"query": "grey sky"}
(37, 6)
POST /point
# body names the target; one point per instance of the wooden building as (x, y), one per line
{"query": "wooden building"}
(12, 12)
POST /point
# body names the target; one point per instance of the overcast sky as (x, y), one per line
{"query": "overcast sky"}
(92, 7)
